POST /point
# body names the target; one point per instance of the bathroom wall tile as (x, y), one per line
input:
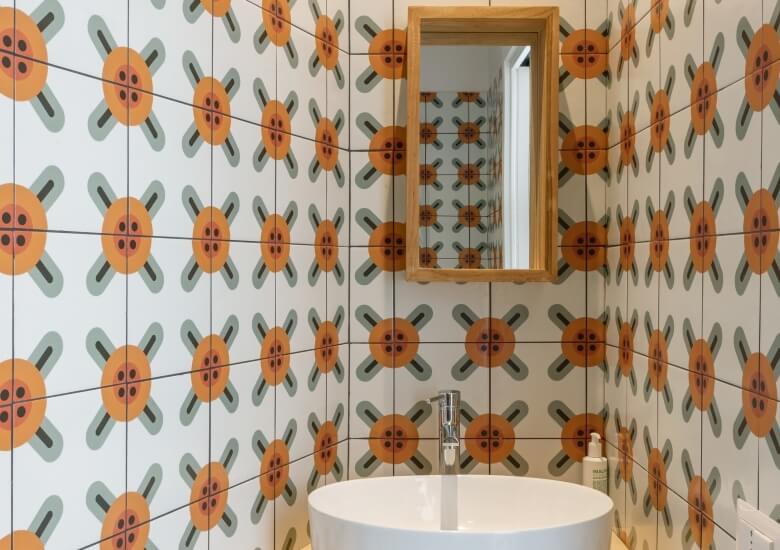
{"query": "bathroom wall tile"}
(337, 300)
(290, 514)
(681, 173)
(640, 520)
(678, 424)
(371, 292)
(676, 46)
(571, 95)
(616, 197)
(183, 163)
(297, 299)
(337, 394)
(438, 363)
(615, 297)
(643, 413)
(59, 445)
(296, 403)
(424, 460)
(542, 322)
(72, 156)
(617, 92)
(238, 412)
(769, 475)
(66, 42)
(237, 180)
(740, 169)
(158, 422)
(366, 25)
(174, 528)
(643, 299)
(546, 415)
(161, 329)
(444, 326)
(643, 183)
(740, 295)
(681, 528)
(337, 108)
(294, 187)
(151, 24)
(364, 463)
(339, 10)
(247, 531)
(373, 386)
(372, 101)
(617, 386)
(299, 83)
(682, 302)
(618, 495)
(730, 448)
(253, 54)
(231, 300)
(644, 72)
(730, 20)
(371, 198)
(551, 458)
(43, 312)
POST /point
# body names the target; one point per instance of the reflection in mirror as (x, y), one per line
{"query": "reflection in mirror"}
(475, 105)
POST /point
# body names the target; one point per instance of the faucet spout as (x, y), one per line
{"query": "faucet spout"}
(449, 431)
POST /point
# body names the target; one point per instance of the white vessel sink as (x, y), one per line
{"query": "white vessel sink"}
(493, 513)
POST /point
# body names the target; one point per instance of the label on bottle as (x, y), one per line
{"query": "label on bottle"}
(601, 480)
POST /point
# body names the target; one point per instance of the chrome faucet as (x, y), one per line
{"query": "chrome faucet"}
(449, 431)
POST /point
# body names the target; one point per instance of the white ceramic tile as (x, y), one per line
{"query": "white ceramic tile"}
(144, 318)
(146, 445)
(729, 18)
(686, 41)
(645, 71)
(372, 190)
(301, 83)
(735, 460)
(363, 462)
(368, 22)
(252, 54)
(337, 390)
(544, 458)
(171, 529)
(441, 360)
(227, 301)
(741, 167)
(376, 390)
(148, 22)
(247, 533)
(640, 520)
(371, 100)
(617, 94)
(643, 410)
(179, 164)
(681, 174)
(71, 366)
(682, 302)
(72, 155)
(297, 404)
(442, 299)
(370, 286)
(68, 44)
(740, 296)
(38, 464)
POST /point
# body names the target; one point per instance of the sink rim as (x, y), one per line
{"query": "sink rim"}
(318, 496)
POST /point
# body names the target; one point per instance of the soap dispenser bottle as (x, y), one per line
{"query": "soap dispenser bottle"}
(594, 466)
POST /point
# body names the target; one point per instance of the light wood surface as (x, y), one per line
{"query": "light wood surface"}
(537, 26)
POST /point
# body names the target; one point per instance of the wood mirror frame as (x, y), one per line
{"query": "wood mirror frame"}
(535, 26)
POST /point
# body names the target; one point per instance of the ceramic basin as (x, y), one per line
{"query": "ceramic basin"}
(493, 513)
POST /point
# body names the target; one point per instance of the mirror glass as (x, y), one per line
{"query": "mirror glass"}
(475, 150)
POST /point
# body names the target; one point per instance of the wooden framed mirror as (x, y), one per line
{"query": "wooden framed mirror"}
(482, 119)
